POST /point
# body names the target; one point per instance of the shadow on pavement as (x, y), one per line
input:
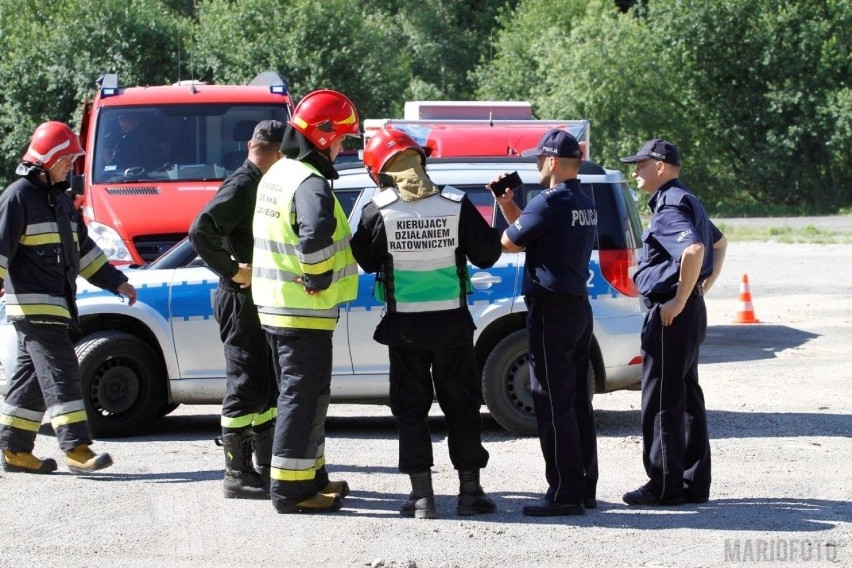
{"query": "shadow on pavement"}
(751, 514)
(158, 477)
(729, 424)
(732, 343)
(610, 423)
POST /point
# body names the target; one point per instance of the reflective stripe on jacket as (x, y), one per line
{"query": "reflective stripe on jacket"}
(277, 260)
(425, 274)
(44, 246)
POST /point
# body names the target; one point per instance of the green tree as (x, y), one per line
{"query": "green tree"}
(529, 40)
(331, 44)
(53, 50)
(761, 80)
(443, 41)
(755, 93)
(584, 59)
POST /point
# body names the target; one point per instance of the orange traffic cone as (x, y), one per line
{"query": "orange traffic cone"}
(746, 313)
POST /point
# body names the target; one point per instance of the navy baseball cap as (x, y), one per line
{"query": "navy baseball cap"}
(656, 149)
(269, 131)
(556, 143)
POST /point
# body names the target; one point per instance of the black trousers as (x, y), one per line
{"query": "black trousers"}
(303, 365)
(252, 390)
(452, 371)
(46, 378)
(676, 446)
(560, 338)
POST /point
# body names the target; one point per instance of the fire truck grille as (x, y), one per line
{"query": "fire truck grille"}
(152, 246)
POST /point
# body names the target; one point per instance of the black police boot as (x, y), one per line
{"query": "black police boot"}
(472, 499)
(241, 480)
(421, 502)
(263, 450)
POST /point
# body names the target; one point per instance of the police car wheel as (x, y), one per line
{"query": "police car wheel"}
(122, 383)
(506, 384)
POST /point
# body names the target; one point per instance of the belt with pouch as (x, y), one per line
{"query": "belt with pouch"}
(655, 299)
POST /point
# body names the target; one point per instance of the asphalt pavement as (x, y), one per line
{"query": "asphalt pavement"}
(779, 398)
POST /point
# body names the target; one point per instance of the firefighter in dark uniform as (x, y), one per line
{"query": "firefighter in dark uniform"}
(44, 246)
(418, 238)
(557, 229)
(221, 233)
(302, 270)
(682, 256)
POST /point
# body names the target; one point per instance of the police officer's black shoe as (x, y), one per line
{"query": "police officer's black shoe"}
(419, 507)
(548, 508)
(590, 503)
(696, 499)
(645, 496)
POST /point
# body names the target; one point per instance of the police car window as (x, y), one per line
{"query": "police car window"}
(633, 221)
(347, 199)
(611, 234)
(481, 198)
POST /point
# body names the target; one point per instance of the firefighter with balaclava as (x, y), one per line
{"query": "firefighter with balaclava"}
(302, 270)
(418, 238)
(44, 246)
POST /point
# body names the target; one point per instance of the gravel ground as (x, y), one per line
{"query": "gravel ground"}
(779, 397)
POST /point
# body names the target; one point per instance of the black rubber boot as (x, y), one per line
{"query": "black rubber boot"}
(472, 499)
(263, 450)
(421, 502)
(241, 480)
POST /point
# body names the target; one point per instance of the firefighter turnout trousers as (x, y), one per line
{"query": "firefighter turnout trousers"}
(302, 361)
(252, 392)
(452, 369)
(46, 378)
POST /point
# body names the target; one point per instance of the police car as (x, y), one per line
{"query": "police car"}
(138, 363)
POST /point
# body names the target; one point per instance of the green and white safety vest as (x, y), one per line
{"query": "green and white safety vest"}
(424, 274)
(277, 262)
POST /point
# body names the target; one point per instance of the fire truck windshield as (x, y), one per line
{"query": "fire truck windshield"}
(175, 142)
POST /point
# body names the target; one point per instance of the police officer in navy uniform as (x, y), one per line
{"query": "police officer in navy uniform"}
(682, 256)
(557, 229)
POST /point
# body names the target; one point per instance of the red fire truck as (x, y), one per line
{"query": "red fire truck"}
(155, 155)
(476, 128)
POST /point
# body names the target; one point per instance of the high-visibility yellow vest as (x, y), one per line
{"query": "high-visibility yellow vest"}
(277, 263)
